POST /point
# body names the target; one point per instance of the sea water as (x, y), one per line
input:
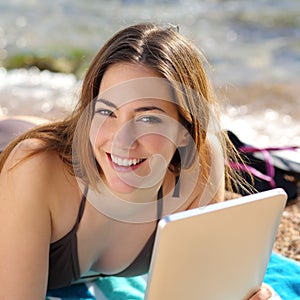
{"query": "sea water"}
(253, 48)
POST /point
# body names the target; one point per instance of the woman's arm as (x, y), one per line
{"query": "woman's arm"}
(210, 186)
(25, 227)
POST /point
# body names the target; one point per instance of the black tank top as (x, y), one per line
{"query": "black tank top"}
(63, 257)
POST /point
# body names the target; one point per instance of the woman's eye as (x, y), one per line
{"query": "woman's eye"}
(105, 112)
(150, 119)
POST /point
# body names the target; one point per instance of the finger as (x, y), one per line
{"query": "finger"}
(263, 294)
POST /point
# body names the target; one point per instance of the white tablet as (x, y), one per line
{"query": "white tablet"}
(220, 251)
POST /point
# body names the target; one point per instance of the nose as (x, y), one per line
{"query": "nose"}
(125, 137)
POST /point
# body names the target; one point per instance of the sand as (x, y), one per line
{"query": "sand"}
(288, 238)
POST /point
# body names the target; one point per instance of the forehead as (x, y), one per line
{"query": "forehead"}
(123, 83)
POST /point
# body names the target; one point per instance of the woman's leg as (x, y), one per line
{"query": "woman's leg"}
(11, 127)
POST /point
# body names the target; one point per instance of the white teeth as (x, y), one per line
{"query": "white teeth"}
(124, 162)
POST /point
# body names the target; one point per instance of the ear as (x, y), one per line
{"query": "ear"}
(183, 138)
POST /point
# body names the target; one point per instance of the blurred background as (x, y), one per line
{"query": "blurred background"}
(253, 48)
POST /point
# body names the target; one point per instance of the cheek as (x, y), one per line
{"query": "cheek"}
(157, 144)
(97, 133)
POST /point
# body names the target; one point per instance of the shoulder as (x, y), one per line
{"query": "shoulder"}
(22, 198)
(40, 182)
(25, 173)
(26, 216)
(32, 173)
(26, 159)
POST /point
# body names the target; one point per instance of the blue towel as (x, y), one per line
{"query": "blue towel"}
(104, 288)
(282, 274)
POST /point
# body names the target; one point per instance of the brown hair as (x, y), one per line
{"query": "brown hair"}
(169, 54)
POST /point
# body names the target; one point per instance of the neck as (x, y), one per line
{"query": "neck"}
(138, 206)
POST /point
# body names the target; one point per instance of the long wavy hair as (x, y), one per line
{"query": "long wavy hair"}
(173, 57)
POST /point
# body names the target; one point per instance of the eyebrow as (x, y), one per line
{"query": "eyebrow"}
(139, 109)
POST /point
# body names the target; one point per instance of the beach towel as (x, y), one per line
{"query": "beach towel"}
(104, 288)
(283, 275)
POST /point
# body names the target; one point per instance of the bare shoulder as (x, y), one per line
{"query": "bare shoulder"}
(26, 161)
(41, 182)
(36, 172)
(25, 177)
(25, 221)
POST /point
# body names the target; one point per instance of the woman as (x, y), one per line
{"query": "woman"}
(81, 197)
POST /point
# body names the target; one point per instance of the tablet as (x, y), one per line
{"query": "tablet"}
(220, 251)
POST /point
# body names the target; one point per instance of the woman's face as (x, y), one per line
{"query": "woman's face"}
(135, 129)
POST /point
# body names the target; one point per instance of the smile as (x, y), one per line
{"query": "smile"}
(125, 162)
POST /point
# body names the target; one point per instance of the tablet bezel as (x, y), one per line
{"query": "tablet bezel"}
(258, 215)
